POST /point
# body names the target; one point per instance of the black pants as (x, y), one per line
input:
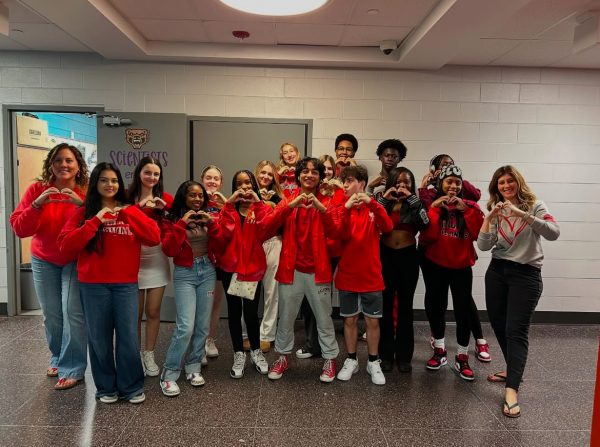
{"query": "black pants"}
(235, 307)
(437, 281)
(400, 268)
(512, 292)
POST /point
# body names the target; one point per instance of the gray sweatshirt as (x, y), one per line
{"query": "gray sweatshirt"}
(513, 239)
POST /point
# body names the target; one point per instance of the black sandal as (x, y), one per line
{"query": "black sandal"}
(507, 413)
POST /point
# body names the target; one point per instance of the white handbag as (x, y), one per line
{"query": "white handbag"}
(243, 289)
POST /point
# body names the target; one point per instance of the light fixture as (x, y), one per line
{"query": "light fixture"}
(275, 7)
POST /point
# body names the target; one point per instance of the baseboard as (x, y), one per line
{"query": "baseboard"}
(540, 317)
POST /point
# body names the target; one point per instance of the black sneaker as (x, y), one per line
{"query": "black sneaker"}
(386, 365)
(404, 367)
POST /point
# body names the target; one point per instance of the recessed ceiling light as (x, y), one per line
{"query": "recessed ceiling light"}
(275, 7)
(373, 12)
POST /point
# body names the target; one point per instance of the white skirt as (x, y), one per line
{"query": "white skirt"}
(154, 268)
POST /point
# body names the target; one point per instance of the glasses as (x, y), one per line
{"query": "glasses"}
(345, 149)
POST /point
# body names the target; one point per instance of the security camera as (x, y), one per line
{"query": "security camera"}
(387, 46)
(115, 121)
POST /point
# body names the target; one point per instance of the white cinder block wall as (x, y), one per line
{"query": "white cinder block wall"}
(545, 121)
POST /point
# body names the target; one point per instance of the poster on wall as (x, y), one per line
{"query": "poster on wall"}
(160, 135)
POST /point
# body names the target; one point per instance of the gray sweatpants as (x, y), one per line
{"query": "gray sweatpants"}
(319, 298)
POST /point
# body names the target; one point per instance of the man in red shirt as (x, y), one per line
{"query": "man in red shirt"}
(359, 279)
(304, 266)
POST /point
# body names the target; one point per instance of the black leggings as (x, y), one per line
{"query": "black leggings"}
(512, 292)
(235, 307)
(437, 281)
(400, 268)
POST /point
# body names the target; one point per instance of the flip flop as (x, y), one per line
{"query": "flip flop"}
(496, 377)
(507, 412)
(52, 371)
(65, 384)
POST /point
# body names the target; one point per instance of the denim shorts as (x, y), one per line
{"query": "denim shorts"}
(352, 303)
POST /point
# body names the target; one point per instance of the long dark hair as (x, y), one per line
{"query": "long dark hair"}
(461, 225)
(135, 188)
(179, 208)
(93, 201)
(253, 181)
(393, 179)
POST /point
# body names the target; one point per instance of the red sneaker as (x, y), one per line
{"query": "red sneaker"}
(483, 352)
(438, 359)
(328, 372)
(462, 366)
(278, 368)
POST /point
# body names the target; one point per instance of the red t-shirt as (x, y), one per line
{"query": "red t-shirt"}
(305, 260)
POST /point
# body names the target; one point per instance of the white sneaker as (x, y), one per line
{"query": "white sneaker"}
(142, 360)
(169, 388)
(239, 362)
(150, 365)
(211, 348)
(110, 399)
(258, 358)
(137, 399)
(350, 367)
(204, 361)
(374, 369)
(195, 379)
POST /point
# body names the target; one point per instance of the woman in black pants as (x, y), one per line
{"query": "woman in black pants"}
(513, 281)
(400, 268)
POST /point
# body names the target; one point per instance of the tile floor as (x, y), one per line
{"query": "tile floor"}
(423, 408)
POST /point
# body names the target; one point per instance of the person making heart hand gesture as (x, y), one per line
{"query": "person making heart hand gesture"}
(107, 236)
(41, 213)
(147, 191)
(289, 155)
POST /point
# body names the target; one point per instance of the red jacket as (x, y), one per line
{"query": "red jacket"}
(43, 224)
(119, 260)
(359, 229)
(243, 252)
(322, 227)
(443, 244)
(175, 242)
(334, 245)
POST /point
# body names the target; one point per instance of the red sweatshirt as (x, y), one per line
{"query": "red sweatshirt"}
(243, 252)
(359, 228)
(176, 245)
(443, 244)
(43, 224)
(334, 244)
(322, 226)
(155, 213)
(119, 261)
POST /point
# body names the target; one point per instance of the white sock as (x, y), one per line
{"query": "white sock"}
(462, 350)
(439, 343)
(481, 341)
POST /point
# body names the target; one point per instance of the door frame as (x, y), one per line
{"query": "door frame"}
(10, 192)
(308, 130)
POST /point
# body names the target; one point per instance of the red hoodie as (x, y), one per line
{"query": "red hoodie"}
(243, 252)
(43, 224)
(359, 228)
(119, 260)
(443, 244)
(322, 226)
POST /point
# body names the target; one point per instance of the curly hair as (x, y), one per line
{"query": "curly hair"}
(303, 164)
(525, 196)
(347, 137)
(47, 176)
(392, 143)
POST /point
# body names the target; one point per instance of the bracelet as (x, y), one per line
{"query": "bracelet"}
(526, 217)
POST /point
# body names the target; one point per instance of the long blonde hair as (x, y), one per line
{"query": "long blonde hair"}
(281, 162)
(525, 197)
(275, 185)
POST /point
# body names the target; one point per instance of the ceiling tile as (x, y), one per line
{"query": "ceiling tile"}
(46, 37)
(260, 33)
(172, 30)
(307, 34)
(369, 36)
(484, 51)
(535, 53)
(402, 13)
(156, 9)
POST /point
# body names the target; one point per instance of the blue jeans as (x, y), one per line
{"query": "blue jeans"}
(57, 290)
(194, 294)
(112, 309)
